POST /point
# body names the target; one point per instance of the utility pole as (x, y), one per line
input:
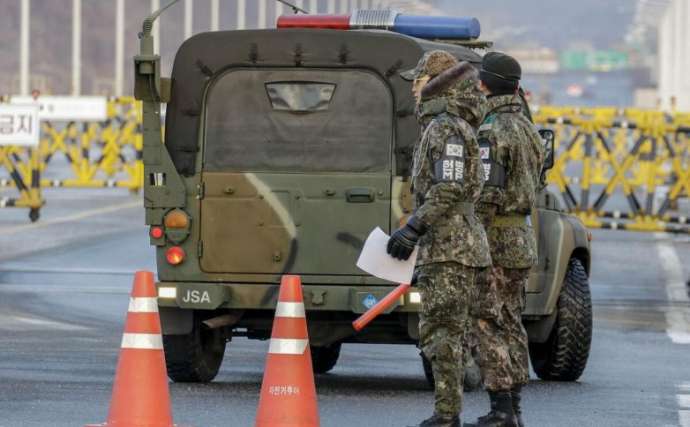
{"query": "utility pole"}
(344, 6)
(215, 15)
(76, 47)
(241, 14)
(331, 7)
(188, 18)
(24, 46)
(155, 5)
(119, 46)
(313, 6)
(279, 11)
(262, 14)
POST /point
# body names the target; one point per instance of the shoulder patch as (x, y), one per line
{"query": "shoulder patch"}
(454, 150)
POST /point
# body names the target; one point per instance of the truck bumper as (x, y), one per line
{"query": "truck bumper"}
(211, 296)
(331, 310)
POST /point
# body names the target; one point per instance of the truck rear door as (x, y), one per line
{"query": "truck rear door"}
(296, 169)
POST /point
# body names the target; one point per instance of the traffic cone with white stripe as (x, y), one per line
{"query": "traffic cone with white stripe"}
(140, 393)
(288, 393)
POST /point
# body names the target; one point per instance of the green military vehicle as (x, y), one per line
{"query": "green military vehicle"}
(283, 149)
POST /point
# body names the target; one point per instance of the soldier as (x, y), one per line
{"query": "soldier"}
(512, 153)
(447, 178)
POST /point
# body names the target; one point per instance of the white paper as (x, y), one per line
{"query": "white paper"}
(375, 260)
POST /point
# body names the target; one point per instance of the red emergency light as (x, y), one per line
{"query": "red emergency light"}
(331, 22)
(425, 27)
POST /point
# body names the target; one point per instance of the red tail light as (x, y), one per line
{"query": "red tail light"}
(175, 255)
(156, 232)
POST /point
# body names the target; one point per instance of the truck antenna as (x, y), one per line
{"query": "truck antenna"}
(295, 9)
(148, 22)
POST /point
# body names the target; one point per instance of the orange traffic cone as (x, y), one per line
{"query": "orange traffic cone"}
(140, 392)
(288, 393)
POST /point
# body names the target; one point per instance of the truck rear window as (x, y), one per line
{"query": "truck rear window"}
(300, 97)
(298, 121)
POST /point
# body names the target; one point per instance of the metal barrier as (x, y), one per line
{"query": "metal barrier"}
(104, 154)
(96, 154)
(24, 168)
(616, 169)
(637, 161)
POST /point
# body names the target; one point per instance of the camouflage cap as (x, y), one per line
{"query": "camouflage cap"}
(432, 64)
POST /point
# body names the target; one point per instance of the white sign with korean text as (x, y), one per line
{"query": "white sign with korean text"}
(67, 108)
(19, 125)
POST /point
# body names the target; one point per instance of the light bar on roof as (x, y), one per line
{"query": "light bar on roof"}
(425, 27)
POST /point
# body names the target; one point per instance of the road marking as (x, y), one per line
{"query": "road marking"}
(684, 401)
(22, 323)
(684, 418)
(70, 218)
(677, 318)
(684, 405)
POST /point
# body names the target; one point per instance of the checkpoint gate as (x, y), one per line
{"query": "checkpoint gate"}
(616, 169)
(98, 140)
(622, 169)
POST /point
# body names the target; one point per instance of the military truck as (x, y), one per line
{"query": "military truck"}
(283, 149)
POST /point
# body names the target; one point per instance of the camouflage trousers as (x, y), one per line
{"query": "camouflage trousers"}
(443, 322)
(502, 339)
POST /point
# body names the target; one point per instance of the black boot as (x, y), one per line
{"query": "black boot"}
(516, 398)
(501, 414)
(440, 421)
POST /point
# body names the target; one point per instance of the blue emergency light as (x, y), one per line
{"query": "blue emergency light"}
(424, 27)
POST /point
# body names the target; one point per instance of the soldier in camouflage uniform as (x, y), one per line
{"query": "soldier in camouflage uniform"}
(447, 179)
(512, 153)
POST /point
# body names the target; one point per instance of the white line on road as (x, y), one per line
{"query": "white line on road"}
(21, 323)
(684, 401)
(677, 318)
(684, 418)
(70, 218)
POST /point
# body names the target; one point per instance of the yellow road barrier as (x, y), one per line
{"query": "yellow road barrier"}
(637, 159)
(619, 169)
(23, 167)
(106, 154)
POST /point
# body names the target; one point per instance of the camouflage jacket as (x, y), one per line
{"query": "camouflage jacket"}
(515, 149)
(448, 148)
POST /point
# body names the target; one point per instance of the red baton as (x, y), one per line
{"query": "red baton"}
(380, 307)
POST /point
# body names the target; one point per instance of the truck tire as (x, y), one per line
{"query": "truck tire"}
(471, 382)
(194, 357)
(563, 357)
(323, 359)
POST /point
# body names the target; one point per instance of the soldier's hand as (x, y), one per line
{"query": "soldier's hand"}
(402, 242)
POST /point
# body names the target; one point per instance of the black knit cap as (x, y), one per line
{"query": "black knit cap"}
(500, 73)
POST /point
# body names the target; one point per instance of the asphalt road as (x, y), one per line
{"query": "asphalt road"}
(63, 296)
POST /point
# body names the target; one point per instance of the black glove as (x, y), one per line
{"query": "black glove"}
(402, 242)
